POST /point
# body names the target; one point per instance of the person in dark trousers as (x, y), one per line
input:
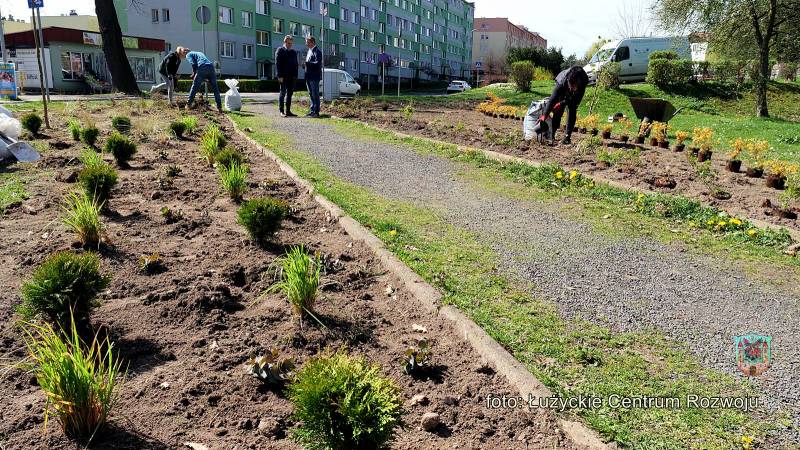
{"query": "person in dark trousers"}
(286, 66)
(203, 70)
(313, 68)
(168, 69)
(568, 93)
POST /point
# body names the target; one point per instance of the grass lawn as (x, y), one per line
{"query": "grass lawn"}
(730, 117)
(571, 357)
(12, 190)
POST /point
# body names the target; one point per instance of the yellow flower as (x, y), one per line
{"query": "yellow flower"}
(572, 175)
(393, 233)
(752, 232)
(736, 222)
(640, 197)
(559, 175)
(721, 224)
(692, 224)
(710, 222)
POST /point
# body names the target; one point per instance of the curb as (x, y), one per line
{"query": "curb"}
(515, 372)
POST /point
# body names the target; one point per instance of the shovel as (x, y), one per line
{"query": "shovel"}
(21, 151)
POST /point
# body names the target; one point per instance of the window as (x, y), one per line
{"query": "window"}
(372, 36)
(144, 69)
(247, 19)
(353, 64)
(264, 70)
(366, 57)
(226, 49)
(262, 38)
(294, 28)
(382, 27)
(342, 39)
(375, 14)
(334, 24)
(622, 54)
(226, 15)
(355, 41)
(345, 15)
(165, 14)
(308, 30)
(293, 3)
(262, 7)
(247, 51)
(354, 17)
(364, 11)
(307, 5)
(74, 64)
(363, 34)
(277, 25)
(154, 14)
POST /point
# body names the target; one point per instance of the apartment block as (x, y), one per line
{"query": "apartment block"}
(493, 37)
(424, 39)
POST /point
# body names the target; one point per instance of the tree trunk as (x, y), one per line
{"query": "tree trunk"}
(117, 61)
(764, 72)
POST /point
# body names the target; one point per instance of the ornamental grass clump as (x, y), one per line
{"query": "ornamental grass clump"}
(344, 403)
(212, 141)
(83, 218)
(63, 287)
(32, 123)
(234, 180)
(122, 124)
(262, 217)
(121, 148)
(74, 129)
(190, 124)
(299, 276)
(81, 381)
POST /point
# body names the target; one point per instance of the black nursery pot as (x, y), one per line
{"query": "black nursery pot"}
(653, 142)
(704, 155)
(664, 144)
(679, 148)
(755, 172)
(640, 139)
(624, 138)
(776, 182)
(734, 165)
(606, 135)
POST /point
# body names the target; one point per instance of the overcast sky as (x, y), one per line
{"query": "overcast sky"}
(572, 25)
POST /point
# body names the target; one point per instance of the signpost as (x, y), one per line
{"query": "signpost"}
(203, 15)
(34, 5)
(399, 61)
(478, 66)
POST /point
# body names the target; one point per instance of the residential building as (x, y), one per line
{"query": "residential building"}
(424, 39)
(492, 39)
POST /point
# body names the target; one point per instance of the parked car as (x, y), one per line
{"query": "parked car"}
(347, 85)
(633, 55)
(458, 86)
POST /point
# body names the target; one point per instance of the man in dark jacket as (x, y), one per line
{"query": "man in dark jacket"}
(286, 66)
(313, 68)
(168, 69)
(568, 93)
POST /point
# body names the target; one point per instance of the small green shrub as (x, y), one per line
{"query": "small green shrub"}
(228, 156)
(122, 124)
(31, 122)
(177, 128)
(89, 135)
(608, 78)
(64, 286)
(664, 54)
(234, 179)
(97, 180)
(668, 73)
(74, 129)
(81, 382)
(190, 122)
(121, 147)
(91, 158)
(344, 403)
(542, 74)
(262, 217)
(83, 218)
(522, 74)
(589, 144)
(407, 111)
(299, 276)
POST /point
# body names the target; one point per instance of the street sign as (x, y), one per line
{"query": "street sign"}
(478, 64)
(203, 14)
(35, 4)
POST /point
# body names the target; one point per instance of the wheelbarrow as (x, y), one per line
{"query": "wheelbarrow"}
(653, 109)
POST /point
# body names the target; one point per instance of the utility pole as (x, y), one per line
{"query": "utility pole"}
(34, 4)
(399, 64)
(41, 40)
(2, 40)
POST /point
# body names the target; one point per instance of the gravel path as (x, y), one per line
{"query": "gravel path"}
(631, 284)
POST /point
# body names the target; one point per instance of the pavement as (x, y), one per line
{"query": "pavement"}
(631, 284)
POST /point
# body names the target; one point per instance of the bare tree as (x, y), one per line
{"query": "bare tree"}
(122, 77)
(632, 19)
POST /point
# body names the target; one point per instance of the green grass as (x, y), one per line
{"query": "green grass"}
(12, 190)
(233, 179)
(570, 357)
(82, 217)
(298, 278)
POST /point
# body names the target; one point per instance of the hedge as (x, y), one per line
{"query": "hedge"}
(667, 73)
(664, 54)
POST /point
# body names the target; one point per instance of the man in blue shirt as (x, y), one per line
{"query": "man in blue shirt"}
(202, 70)
(313, 68)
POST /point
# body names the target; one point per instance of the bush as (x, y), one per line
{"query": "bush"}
(541, 74)
(83, 218)
(74, 129)
(228, 156)
(666, 73)
(299, 276)
(121, 124)
(262, 217)
(608, 78)
(522, 75)
(64, 286)
(344, 403)
(80, 381)
(234, 179)
(177, 128)
(89, 135)
(31, 122)
(97, 181)
(664, 54)
(211, 142)
(121, 147)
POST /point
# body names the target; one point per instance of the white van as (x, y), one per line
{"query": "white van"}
(341, 83)
(633, 55)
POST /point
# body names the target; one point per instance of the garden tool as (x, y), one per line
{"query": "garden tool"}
(21, 151)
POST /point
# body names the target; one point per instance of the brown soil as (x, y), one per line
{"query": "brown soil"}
(653, 167)
(186, 333)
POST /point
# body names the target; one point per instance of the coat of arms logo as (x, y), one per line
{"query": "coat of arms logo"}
(753, 354)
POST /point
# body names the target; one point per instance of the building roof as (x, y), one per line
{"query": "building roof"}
(89, 37)
(88, 23)
(501, 24)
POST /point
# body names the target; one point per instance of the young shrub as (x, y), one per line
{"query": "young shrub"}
(344, 403)
(81, 382)
(407, 111)
(416, 358)
(89, 135)
(228, 156)
(122, 124)
(91, 158)
(211, 142)
(262, 217)
(177, 128)
(32, 123)
(190, 122)
(608, 78)
(234, 180)
(64, 286)
(271, 368)
(97, 180)
(522, 74)
(83, 218)
(74, 129)
(299, 276)
(121, 147)
(542, 74)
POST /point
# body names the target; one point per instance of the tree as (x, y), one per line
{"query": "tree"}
(595, 47)
(551, 59)
(748, 28)
(117, 61)
(632, 20)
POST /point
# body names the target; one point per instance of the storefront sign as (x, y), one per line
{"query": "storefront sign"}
(92, 38)
(8, 80)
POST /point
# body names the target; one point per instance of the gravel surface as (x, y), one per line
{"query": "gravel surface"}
(630, 284)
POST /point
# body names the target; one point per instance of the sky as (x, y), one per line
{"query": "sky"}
(572, 24)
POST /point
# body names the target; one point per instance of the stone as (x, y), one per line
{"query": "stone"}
(430, 421)
(450, 401)
(419, 399)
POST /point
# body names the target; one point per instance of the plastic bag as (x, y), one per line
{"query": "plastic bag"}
(10, 126)
(233, 100)
(532, 117)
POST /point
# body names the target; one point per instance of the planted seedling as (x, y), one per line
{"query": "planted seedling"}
(171, 216)
(122, 124)
(234, 180)
(83, 218)
(32, 123)
(262, 217)
(228, 156)
(190, 122)
(121, 148)
(681, 137)
(151, 263)
(177, 128)
(98, 178)
(299, 277)
(89, 135)
(271, 368)
(172, 171)
(416, 357)
(74, 129)
(211, 142)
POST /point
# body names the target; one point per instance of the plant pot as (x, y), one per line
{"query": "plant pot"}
(776, 182)
(640, 139)
(704, 155)
(664, 145)
(694, 150)
(754, 172)
(624, 138)
(787, 214)
(593, 132)
(606, 135)
(653, 142)
(574, 129)
(679, 148)
(734, 165)
(582, 130)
